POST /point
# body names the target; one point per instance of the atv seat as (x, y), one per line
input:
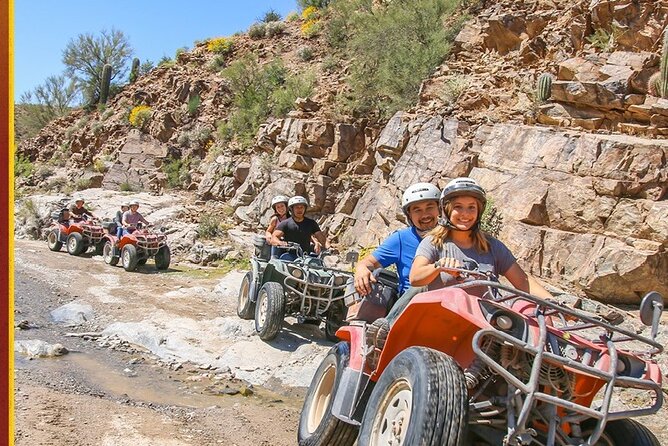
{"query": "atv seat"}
(377, 304)
(110, 226)
(262, 248)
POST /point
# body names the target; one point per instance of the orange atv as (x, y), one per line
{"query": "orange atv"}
(77, 236)
(135, 248)
(507, 368)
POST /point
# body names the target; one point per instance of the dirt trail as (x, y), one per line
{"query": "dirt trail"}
(158, 377)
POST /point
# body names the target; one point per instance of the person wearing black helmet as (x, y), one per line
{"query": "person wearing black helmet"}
(458, 238)
(298, 229)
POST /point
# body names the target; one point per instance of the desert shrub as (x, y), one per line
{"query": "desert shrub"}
(166, 61)
(209, 227)
(107, 114)
(271, 16)
(319, 4)
(23, 167)
(259, 92)
(311, 28)
(453, 87)
(139, 116)
(605, 40)
(274, 29)
(177, 171)
(218, 63)
(82, 183)
(292, 17)
(193, 104)
(257, 30)
(385, 74)
(220, 45)
(330, 64)
(310, 13)
(305, 53)
(491, 221)
(126, 186)
(180, 51)
(99, 166)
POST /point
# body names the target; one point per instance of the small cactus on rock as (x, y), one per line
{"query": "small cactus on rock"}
(544, 89)
(134, 72)
(657, 85)
(104, 83)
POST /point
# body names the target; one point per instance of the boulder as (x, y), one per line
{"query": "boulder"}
(588, 94)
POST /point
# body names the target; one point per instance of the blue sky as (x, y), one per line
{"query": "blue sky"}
(42, 28)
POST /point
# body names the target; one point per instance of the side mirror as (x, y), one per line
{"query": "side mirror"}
(352, 257)
(651, 308)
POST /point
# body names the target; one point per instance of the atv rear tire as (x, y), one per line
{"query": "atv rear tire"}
(108, 254)
(269, 310)
(129, 257)
(625, 432)
(163, 257)
(317, 425)
(52, 241)
(420, 398)
(75, 244)
(245, 306)
(335, 320)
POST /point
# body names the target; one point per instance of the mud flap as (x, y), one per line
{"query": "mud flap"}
(351, 397)
(254, 286)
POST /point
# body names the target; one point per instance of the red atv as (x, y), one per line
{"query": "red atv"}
(134, 249)
(508, 368)
(77, 236)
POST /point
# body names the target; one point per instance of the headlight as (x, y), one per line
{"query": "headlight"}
(296, 272)
(339, 280)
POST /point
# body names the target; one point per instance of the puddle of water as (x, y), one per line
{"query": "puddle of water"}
(147, 383)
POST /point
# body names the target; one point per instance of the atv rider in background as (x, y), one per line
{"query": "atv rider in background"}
(78, 211)
(280, 206)
(125, 206)
(298, 229)
(132, 217)
(64, 217)
(420, 205)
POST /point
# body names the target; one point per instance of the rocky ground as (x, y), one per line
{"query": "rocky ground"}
(153, 358)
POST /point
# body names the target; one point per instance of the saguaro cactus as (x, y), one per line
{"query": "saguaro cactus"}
(544, 89)
(134, 72)
(104, 83)
(663, 80)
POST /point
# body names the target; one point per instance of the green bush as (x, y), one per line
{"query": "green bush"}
(177, 171)
(320, 4)
(209, 227)
(193, 104)
(292, 17)
(180, 51)
(259, 92)
(126, 186)
(385, 74)
(82, 184)
(23, 167)
(166, 61)
(271, 16)
(305, 53)
(453, 87)
(491, 221)
(605, 40)
(274, 29)
(257, 30)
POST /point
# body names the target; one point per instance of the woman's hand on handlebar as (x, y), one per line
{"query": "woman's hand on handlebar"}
(449, 265)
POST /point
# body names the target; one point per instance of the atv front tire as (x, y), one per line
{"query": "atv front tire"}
(317, 425)
(626, 432)
(269, 310)
(108, 254)
(129, 257)
(163, 257)
(52, 240)
(420, 398)
(245, 306)
(75, 244)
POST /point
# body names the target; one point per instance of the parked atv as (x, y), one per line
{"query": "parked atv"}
(303, 288)
(507, 368)
(135, 248)
(77, 236)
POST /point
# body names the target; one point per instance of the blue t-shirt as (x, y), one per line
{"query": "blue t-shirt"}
(399, 249)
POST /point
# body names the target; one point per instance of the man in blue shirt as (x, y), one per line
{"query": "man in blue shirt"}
(420, 205)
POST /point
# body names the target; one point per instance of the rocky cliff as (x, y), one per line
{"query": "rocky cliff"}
(583, 201)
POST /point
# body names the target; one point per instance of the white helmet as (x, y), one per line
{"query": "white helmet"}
(125, 204)
(459, 187)
(133, 203)
(463, 186)
(297, 199)
(279, 199)
(78, 198)
(418, 192)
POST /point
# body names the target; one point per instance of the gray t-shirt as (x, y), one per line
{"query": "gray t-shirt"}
(498, 257)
